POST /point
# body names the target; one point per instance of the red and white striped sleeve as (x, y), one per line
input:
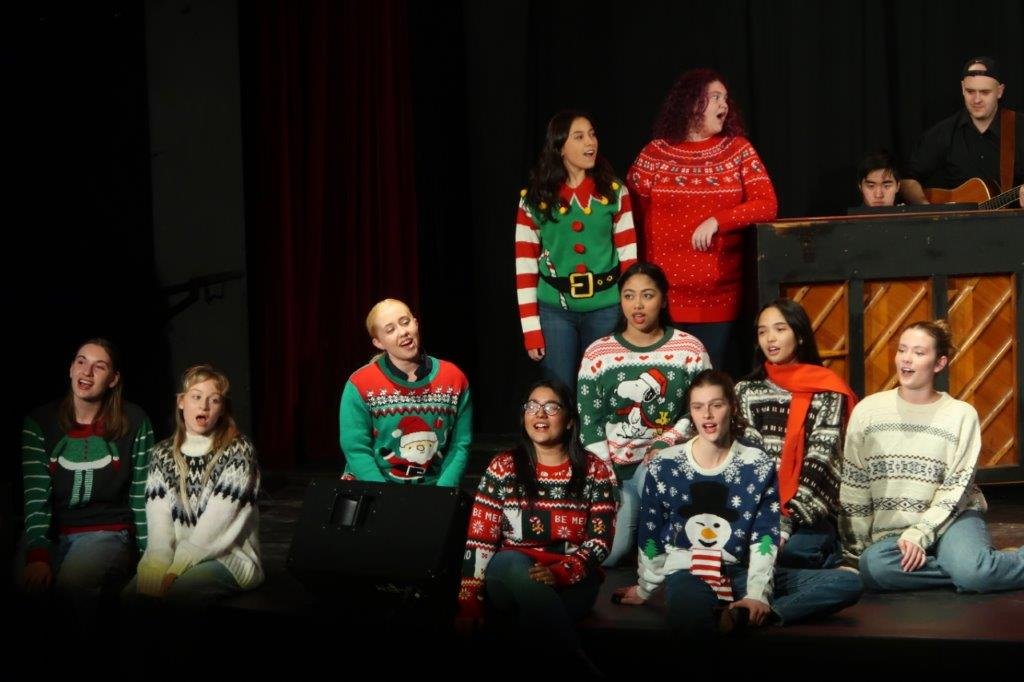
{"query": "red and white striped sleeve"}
(527, 254)
(624, 232)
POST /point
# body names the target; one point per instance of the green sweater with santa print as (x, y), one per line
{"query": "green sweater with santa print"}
(400, 431)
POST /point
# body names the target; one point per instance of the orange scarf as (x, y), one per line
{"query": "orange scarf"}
(802, 381)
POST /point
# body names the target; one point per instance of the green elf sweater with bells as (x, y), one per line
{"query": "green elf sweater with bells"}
(399, 431)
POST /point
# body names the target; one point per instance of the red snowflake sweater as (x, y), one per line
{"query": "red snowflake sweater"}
(570, 536)
(678, 187)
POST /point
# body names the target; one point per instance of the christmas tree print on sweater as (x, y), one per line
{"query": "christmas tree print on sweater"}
(698, 519)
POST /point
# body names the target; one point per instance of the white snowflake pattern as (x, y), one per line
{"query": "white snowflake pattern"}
(775, 507)
(679, 393)
(671, 376)
(753, 536)
(651, 527)
(597, 404)
(563, 532)
(671, 406)
(757, 497)
(621, 376)
(751, 488)
(736, 501)
(661, 488)
(584, 390)
(586, 420)
(673, 491)
(478, 527)
(740, 533)
(684, 497)
(747, 515)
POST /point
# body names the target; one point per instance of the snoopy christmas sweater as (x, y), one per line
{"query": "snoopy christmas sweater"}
(730, 513)
(400, 431)
(631, 398)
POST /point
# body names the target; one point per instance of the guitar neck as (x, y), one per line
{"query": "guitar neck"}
(1000, 200)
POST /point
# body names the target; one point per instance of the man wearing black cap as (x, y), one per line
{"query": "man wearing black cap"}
(967, 144)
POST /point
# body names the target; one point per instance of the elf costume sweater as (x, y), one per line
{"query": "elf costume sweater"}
(765, 406)
(587, 233)
(400, 431)
(908, 470)
(681, 185)
(732, 509)
(215, 517)
(81, 481)
(631, 398)
(570, 536)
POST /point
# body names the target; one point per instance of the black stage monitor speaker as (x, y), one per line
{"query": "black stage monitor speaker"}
(355, 534)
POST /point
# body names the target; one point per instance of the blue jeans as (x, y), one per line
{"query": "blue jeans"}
(799, 594)
(814, 546)
(567, 335)
(92, 562)
(205, 582)
(962, 558)
(515, 601)
(629, 493)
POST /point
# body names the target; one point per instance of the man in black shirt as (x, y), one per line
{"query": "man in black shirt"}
(966, 145)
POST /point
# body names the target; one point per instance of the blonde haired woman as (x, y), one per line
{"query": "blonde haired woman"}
(201, 500)
(405, 417)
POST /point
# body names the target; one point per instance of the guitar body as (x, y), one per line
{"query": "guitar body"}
(974, 191)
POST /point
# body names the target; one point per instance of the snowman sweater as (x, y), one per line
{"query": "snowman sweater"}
(631, 398)
(733, 508)
(82, 481)
(570, 536)
(216, 519)
(400, 431)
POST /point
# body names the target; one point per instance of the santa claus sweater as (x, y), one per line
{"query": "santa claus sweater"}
(210, 516)
(401, 431)
(587, 233)
(731, 510)
(681, 185)
(631, 398)
(570, 536)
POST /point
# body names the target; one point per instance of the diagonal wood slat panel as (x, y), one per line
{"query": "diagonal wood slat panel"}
(983, 315)
(826, 307)
(889, 306)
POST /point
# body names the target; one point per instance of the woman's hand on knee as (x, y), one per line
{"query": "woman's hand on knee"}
(758, 609)
(37, 576)
(542, 574)
(913, 555)
(628, 595)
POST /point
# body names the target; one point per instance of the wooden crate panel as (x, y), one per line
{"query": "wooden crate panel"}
(982, 314)
(889, 306)
(826, 305)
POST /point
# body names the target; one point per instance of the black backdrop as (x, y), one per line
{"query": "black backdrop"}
(817, 83)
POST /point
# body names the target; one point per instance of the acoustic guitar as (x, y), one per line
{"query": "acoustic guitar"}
(974, 191)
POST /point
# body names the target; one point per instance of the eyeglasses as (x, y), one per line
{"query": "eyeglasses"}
(550, 408)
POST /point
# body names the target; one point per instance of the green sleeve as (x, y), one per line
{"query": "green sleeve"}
(591, 404)
(462, 436)
(356, 428)
(38, 486)
(142, 450)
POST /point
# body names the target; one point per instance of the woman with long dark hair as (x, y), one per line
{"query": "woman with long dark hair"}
(699, 183)
(799, 409)
(631, 387)
(540, 527)
(574, 235)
